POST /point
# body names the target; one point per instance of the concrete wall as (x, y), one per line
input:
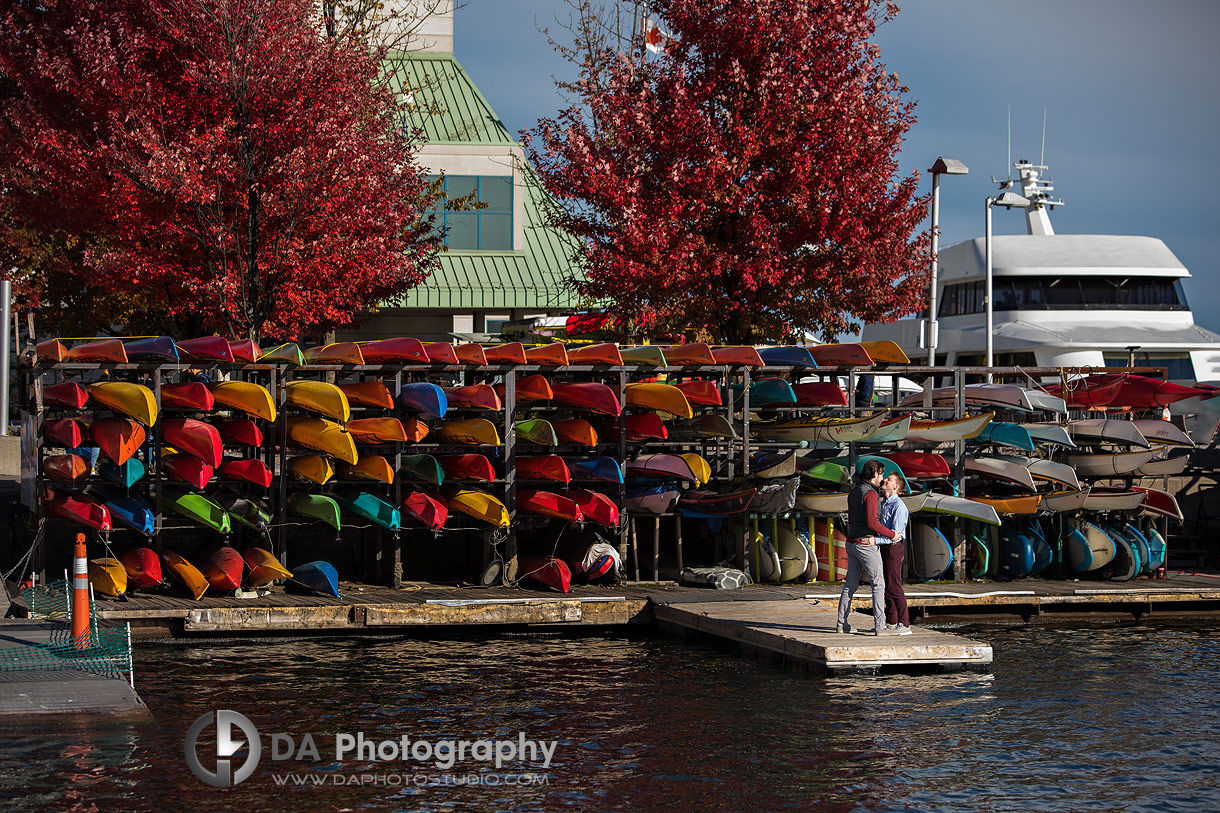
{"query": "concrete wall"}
(10, 456)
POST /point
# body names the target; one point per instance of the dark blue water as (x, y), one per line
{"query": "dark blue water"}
(1113, 719)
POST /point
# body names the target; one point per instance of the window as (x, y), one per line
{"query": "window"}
(494, 323)
(1065, 293)
(1177, 365)
(486, 229)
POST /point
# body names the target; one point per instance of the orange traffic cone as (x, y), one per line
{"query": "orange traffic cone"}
(80, 595)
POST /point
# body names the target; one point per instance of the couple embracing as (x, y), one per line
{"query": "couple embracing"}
(877, 521)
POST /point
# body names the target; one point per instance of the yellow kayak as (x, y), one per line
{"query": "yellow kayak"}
(323, 436)
(264, 567)
(108, 576)
(659, 397)
(472, 432)
(698, 467)
(247, 397)
(885, 350)
(368, 467)
(186, 573)
(318, 396)
(337, 353)
(312, 467)
(477, 504)
(133, 400)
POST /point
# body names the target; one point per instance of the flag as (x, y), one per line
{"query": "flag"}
(655, 40)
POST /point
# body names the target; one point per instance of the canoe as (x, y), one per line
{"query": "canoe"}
(318, 396)
(651, 499)
(548, 504)
(710, 504)
(287, 353)
(185, 573)
(240, 432)
(707, 425)
(1049, 433)
(576, 431)
(547, 571)
(1163, 432)
(249, 512)
(348, 353)
(920, 465)
(840, 355)
(64, 467)
(322, 435)
(961, 507)
(595, 507)
(69, 433)
(1106, 465)
(1141, 392)
(826, 471)
(192, 395)
(737, 356)
(658, 397)
(423, 397)
(1043, 401)
(1017, 554)
(196, 438)
(684, 355)
(590, 396)
(108, 576)
(206, 349)
(1159, 503)
(702, 391)
(890, 431)
(477, 504)
(373, 467)
(602, 353)
(997, 468)
(644, 355)
(247, 470)
(316, 506)
(787, 356)
(989, 395)
(551, 355)
(1046, 470)
(1126, 564)
(441, 353)
(605, 469)
(319, 576)
(118, 438)
(426, 509)
(369, 506)
(1013, 435)
(1088, 392)
(819, 393)
(947, 431)
(639, 426)
(422, 468)
(79, 510)
(154, 348)
(467, 467)
(68, 395)
(510, 353)
(544, 467)
(103, 351)
(830, 552)
(264, 568)
(244, 396)
(1063, 501)
(828, 502)
(931, 553)
(1106, 431)
(188, 469)
(768, 465)
(472, 432)
(474, 396)
(224, 568)
(368, 393)
(50, 351)
(660, 465)
(1113, 499)
(529, 389)
(770, 392)
(372, 431)
(125, 475)
(536, 430)
(816, 428)
(1018, 504)
(915, 501)
(245, 351)
(471, 353)
(133, 400)
(312, 468)
(398, 350)
(1167, 466)
(885, 351)
(698, 466)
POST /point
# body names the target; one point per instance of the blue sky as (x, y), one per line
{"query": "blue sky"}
(1129, 86)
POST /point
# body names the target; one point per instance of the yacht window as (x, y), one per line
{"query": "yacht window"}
(1064, 291)
(1177, 366)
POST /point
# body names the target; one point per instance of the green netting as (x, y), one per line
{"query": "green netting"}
(108, 654)
(51, 600)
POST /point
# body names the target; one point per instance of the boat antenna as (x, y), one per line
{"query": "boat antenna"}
(1010, 142)
(1042, 158)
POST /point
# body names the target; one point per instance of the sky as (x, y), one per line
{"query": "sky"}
(1129, 87)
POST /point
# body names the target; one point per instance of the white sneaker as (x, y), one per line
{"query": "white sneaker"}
(902, 630)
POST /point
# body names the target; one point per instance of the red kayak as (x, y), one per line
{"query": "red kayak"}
(596, 507)
(105, 351)
(187, 469)
(744, 356)
(80, 510)
(530, 388)
(701, 391)
(64, 467)
(819, 393)
(840, 355)
(118, 438)
(248, 470)
(192, 395)
(548, 504)
(67, 432)
(1088, 393)
(68, 395)
(920, 465)
(440, 353)
(471, 353)
(205, 349)
(245, 350)
(682, 355)
(544, 467)
(639, 425)
(590, 396)
(143, 568)
(50, 350)
(511, 353)
(550, 355)
(467, 467)
(240, 432)
(426, 508)
(399, 350)
(547, 571)
(379, 430)
(223, 570)
(576, 430)
(196, 438)
(603, 353)
(474, 396)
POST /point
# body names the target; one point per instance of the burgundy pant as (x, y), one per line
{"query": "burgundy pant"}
(895, 598)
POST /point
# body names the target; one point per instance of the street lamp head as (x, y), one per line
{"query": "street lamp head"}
(949, 166)
(1009, 200)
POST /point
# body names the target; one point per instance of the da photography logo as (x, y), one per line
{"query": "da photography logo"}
(226, 748)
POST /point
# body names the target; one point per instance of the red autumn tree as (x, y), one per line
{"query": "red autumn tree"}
(744, 182)
(227, 154)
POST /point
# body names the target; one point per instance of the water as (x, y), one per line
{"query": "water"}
(1114, 719)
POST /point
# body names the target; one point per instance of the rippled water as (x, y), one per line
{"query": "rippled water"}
(1114, 719)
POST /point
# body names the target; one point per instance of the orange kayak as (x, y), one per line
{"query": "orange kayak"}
(337, 353)
(604, 353)
(471, 353)
(682, 355)
(441, 353)
(369, 394)
(740, 356)
(104, 351)
(511, 353)
(377, 430)
(551, 355)
(530, 388)
(576, 430)
(399, 350)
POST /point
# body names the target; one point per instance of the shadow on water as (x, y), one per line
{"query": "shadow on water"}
(1067, 719)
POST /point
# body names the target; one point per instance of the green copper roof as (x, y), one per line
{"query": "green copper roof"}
(444, 103)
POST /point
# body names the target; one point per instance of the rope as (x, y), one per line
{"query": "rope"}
(38, 538)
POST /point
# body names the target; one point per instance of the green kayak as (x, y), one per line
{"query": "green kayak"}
(827, 471)
(316, 506)
(288, 353)
(198, 508)
(253, 513)
(422, 468)
(646, 354)
(537, 431)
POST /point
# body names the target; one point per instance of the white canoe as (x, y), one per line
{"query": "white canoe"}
(1061, 501)
(1165, 466)
(1047, 470)
(1051, 433)
(1001, 395)
(1045, 402)
(1118, 499)
(829, 503)
(961, 507)
(891, 432)
(1164, 432)
(811, 428)
(947, 431)
(915, 502)
(1106, 431)
(1000, 468)
(1108, 465)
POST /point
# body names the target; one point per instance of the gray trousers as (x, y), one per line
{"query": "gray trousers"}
(865, 558)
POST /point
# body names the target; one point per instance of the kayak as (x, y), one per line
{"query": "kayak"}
(474, 396)
(477, 504)
(422, 468)
(848, 354)
(103, 351)
(658, 499)
(347, 353)
(771, 392)
(510, 353)
(645, 355)
(322, 435)
(198, 508)
(550, 355)
(816, 428)
(188, 469)
(370, 507)
(319, 576)
(118, 438)
(597, 468)
(661, 466)
(68, 395)
(602, 353)
(318, 396)
(685, 355)
(184, 573)
(64, 467)
(819, 393)
(529, 389)
(126, 509)
(787, 356)
(399, 350)
(79, 510)
(544, 467)
(369, 394)
(707, 425)
(548, 504)
(709, 504)
(311, 468)
(193, 395)
(440, 353)
(590, 396)
(426, 509)
(247, 470)
(472, 432)
(69, 433)
(133, 400)
(537, 431)
(737, 356)
(316, 506)
(240, 432)
(471, 353)
(658, 397)
(245, 351)
(701, 391)
(264, 567)
(107, 576)
(205, 349)
(251, 513)
(595, 507)
(287, 353)
(547, 571)
(640, 426)
(50, 351)
(196, 438)
(421, 396)
(224, 568)
(576, 431)
(467, 467)
(372, 431)
(373, 467)
(245, 396)
(946, 431)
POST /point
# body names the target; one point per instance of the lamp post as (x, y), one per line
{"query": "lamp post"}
(943, 166)
(1008, 200)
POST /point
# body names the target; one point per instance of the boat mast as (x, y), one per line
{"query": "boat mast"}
(1037, 191)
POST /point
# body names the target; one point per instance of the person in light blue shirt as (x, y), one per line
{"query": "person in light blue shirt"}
(895, 516)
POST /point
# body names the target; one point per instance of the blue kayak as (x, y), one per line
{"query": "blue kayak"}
(370, 507)
(596, 468)
(786, 356)
(126, 474)
(319, 576)
(421, 396)
(1017, 555)
(127, 509)
(155, 348)
(1141, 544)
(1156, 547)
(1126, 564)
(1013, 435)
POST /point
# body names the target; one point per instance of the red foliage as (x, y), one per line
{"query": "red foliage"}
(225, 151)
(744, 183)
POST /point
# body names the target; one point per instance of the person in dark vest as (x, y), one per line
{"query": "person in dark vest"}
(863, 555)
